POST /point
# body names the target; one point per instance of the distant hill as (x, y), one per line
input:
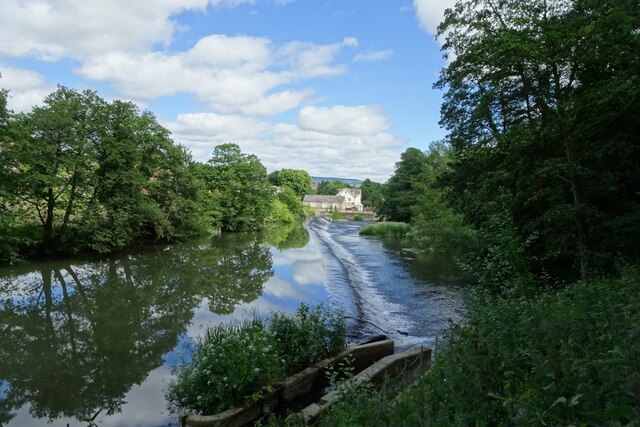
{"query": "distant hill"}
(349, 181)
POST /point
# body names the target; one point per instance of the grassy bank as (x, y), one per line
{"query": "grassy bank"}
(568, 357)
(386, 229)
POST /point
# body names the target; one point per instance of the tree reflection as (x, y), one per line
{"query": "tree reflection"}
(287, 236)
(76, 338)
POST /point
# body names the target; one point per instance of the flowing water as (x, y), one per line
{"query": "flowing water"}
(92, 341)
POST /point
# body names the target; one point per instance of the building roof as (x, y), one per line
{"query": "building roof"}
(355, 192)
(312, 198)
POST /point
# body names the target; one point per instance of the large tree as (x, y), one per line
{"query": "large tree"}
(539, 99)
(400, 191)
(296, 179)
(94, 175)
(239, 186)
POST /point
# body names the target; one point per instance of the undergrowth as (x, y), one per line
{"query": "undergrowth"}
(386, 229)
(234, 363)
(567, 357)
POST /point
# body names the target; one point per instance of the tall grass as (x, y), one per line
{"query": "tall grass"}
(568, 357)
(386, 229)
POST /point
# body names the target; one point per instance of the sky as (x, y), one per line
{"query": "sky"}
(335, 87)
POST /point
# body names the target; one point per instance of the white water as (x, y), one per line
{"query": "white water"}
(376, 287)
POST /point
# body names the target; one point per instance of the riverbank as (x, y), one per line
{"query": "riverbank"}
(554, 357)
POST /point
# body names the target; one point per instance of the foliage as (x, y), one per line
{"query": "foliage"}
(331, 188)
(357, 217)
(336, 215)
(297, 180)
(234, 363)
(436, 227)
(386, 229)
(280, 213)
(556, 358)
(92, 175)
(400, 190)
(372, 193)
(307, 337)
(292, 201)
(238, 185)
(537, 104)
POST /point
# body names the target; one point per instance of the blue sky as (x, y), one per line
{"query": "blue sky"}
(335, 87)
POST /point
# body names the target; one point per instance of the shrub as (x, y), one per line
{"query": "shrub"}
(236, 363)
(386, 229)
(308, 336)
(358, 218)
(336, 215)
(280, 213)
(569, 357)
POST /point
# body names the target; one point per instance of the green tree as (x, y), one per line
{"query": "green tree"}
(239, 184)
(371, 193)
(53, 163)
(400, 191)
(538, 105)
(95, 175)
(437, 227)
(331, 188)
(292, 201)
(296, 179)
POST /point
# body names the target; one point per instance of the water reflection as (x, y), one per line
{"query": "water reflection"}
(76, 336)
(288, 236)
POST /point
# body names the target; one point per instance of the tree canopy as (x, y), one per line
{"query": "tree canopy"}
(239, 187)
(86, 170)
(331, 188)
(296, 179)
(538, 104)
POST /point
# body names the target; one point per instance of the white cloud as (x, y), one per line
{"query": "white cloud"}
(431, 12)
(377, 55)
(27, 88)
(80, 28)
(336, 141)
(343, 120)
(233, 74)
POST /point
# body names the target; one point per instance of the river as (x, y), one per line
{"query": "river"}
(91, 341)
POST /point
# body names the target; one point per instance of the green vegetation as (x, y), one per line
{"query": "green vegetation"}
(357, 217)
(236, 363)
(82, 174)
(567, 357)
(331, 188)
(386, 229)
(297, 180)
(371, 193)
(535, 191)
(336, 215)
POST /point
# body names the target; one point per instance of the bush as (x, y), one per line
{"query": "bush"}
(569, 357)
(386, 229)
(357, 217)
(336, 215)
(308, 336)
(280, 213)
(236, 363)
(556, 358)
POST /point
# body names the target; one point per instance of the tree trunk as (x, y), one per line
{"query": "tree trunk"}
(582, 229)
(47, 236)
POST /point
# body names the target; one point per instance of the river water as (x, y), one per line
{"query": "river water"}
(92, 341)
